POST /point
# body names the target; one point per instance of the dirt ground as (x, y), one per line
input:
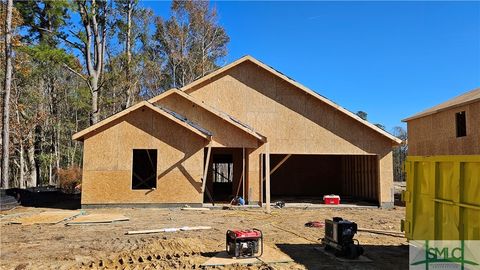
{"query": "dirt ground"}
(107, 247)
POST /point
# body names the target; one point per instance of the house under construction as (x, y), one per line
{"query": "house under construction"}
(245, 129)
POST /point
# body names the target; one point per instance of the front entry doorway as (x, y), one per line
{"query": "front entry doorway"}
(225, 177)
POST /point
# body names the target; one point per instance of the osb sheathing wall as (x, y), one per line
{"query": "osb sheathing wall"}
(293, 121)
(435, 134)
(224, 133)
(107, 167)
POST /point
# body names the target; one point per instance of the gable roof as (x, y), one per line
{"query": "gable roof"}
(463, 99)
(230, 119)
(296, 84)
(175, 117)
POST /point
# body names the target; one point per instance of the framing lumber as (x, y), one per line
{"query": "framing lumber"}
(239, 185)
(280, 163)
(267, 177)
(186, 228)
(261, 180)
(243, 173)
(205, 168)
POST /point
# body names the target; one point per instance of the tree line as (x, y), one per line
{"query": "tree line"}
(399, 153)
(69, 64)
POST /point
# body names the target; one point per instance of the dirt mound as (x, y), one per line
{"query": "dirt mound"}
(159, 254)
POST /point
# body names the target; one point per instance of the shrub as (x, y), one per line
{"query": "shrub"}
(69, 178)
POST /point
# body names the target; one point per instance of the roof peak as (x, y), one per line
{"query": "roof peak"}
(462, 99)
(294, 83)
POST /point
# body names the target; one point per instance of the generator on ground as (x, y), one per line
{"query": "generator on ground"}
(245, 243)
(339, 235)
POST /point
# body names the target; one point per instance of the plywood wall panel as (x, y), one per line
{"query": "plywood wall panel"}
(224, 133)
(292, 121)
(108, 156)
(97, 153)
(436, 134)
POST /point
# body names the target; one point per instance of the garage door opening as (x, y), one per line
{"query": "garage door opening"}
(307, 178)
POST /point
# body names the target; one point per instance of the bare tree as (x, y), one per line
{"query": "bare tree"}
(128, 51)
(6, 95)
(400, 154)
(93, 17)
(191, 41)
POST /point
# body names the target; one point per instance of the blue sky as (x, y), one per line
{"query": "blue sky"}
(389, 59)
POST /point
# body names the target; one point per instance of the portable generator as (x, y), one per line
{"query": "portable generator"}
(245, 243)
(339, 235)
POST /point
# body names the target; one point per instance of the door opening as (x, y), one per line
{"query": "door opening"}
(222, 178)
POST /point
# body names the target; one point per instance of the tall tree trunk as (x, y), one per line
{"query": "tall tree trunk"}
(50, 173)
(22, 166)
(31, 161)
(94, 23)
(95, 115)
(6, 97)
(57, 152)
(128, 54)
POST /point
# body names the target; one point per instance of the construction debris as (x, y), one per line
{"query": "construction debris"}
(315, 224)
(279, 204)
(97, 219)
(7, 201)
(186, 228)
(48, 217)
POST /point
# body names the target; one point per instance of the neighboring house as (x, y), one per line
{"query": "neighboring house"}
(450, 128)
(443, 171)
(247, 130)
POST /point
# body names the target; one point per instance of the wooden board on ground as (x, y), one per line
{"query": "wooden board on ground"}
(97, 219)
(186, 228)
(270, 255)
(361, 259)
(195, 209)
(48, 217)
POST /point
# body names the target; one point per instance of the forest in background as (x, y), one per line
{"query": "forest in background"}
(75, 63)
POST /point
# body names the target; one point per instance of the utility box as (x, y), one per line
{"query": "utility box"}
(442, 198)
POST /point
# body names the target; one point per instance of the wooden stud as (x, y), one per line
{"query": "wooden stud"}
(243, 173)
(280, 163)
(267, 176)
(261, 180)
(207, 162)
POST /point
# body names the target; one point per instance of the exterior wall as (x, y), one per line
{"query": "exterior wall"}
(224, 133)
(435, 134)
(293, 121)
(107, 167)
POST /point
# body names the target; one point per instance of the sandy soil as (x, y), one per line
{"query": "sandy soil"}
(107, 247)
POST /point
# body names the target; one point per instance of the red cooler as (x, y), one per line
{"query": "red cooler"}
(331, 199)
